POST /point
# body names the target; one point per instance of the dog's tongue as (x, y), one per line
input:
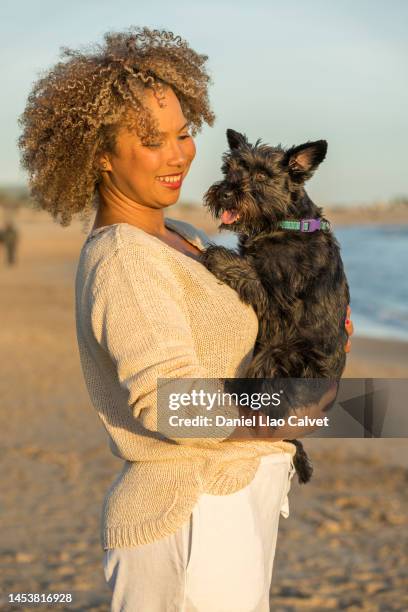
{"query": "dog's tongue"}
(229, 216)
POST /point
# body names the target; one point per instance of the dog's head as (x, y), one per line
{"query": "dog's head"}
(262, 184)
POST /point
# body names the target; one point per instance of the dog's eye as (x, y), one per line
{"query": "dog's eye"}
(260, 176)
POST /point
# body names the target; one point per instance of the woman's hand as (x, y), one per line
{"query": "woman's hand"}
(349, 329)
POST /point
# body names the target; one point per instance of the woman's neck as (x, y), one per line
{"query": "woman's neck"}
(115, 207)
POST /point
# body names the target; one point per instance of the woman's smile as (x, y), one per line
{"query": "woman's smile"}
(171, 181)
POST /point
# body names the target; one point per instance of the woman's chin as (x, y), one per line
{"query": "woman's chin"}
(171, 199)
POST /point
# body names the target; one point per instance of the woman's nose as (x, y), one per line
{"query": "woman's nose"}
(177, 155)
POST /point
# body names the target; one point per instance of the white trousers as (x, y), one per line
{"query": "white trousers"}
(221, 560)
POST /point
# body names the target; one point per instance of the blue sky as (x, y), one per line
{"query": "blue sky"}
(286, 72)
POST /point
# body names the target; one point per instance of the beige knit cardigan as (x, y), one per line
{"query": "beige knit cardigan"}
(145, 311)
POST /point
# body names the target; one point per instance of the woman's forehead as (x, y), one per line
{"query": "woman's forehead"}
(167, 111)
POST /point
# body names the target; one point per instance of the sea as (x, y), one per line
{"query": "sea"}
(375, 260)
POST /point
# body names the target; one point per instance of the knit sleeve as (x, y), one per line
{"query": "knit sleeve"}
(138, 318)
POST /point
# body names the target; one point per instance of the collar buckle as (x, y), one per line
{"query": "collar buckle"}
(309, 225)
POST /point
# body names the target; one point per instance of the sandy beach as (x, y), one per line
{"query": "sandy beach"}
(343, 546)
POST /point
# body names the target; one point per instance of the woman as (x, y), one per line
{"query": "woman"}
(189, 523)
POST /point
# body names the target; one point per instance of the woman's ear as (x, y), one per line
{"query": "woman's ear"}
(104, 164)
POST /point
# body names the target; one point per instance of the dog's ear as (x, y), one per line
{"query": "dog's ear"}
(235, 139)
(302, 161)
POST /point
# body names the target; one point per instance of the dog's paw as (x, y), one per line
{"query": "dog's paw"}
(210, 258)
(215, 256)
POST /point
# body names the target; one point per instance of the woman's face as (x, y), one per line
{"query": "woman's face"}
(152, 174)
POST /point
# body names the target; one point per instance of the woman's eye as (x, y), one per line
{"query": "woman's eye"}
(184, 136)
(153, 144)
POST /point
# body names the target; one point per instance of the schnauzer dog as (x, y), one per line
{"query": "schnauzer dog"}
(288, 265)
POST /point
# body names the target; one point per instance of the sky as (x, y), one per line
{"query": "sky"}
(285, 72)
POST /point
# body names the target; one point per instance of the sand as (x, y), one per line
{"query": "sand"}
(343, 546)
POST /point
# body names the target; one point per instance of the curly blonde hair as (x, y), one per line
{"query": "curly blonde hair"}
(74, 111)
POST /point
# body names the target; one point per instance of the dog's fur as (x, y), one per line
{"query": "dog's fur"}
(294, 280)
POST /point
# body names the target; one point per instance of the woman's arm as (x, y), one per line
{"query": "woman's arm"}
(138, 317)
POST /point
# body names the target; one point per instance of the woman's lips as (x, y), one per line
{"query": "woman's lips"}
(171, 184)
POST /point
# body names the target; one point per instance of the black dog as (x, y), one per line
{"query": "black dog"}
(288, 265)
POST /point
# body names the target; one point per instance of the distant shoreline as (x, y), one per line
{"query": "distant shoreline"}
(367, 216)
(338, 217)
(381, 213)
